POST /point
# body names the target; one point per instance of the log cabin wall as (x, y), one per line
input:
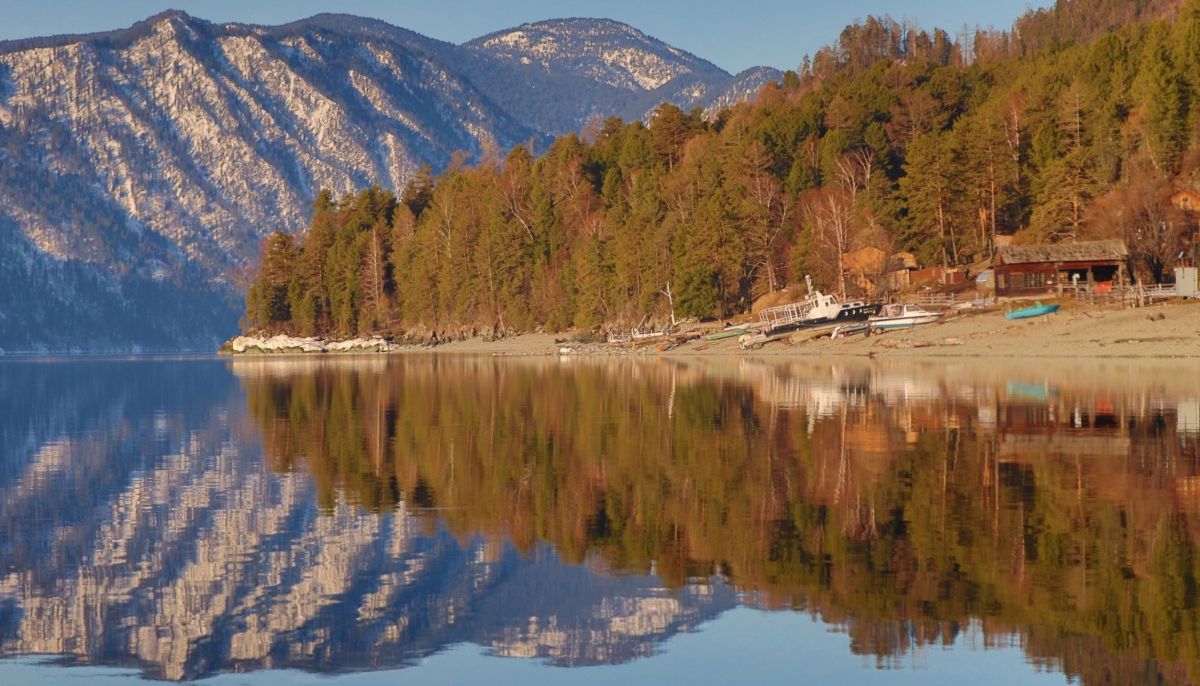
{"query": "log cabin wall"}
(1042, 269)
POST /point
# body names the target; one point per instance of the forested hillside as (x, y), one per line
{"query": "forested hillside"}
(892, 138)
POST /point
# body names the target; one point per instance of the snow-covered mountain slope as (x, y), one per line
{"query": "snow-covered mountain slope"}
(601, 50)
(140, 168)
(608, 68)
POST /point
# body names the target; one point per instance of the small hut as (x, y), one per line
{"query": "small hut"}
(1038, 269)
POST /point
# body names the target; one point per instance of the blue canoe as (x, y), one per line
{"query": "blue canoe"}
(1035, 311)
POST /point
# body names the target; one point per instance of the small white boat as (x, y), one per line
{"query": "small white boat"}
(901, 316)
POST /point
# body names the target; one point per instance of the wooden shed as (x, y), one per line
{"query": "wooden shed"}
(1037, 269)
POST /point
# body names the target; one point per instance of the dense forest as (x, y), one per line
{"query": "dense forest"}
(1078, 123)
(902, 523)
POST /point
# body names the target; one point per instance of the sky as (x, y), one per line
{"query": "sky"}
(733, 34)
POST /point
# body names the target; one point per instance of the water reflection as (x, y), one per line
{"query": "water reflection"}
(335, 515)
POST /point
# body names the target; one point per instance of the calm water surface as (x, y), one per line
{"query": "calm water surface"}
(457, 520)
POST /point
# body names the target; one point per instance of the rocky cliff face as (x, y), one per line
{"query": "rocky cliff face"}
(140, 168)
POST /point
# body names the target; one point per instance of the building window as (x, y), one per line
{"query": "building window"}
(1035, 280)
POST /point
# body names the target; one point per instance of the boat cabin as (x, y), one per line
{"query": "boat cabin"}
(1038, 269)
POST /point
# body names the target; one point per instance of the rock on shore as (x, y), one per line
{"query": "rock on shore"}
(295, 344)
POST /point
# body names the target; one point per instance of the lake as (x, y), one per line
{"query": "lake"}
(441, 519)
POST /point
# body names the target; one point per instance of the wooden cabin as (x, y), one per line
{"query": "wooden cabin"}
(1040, 269)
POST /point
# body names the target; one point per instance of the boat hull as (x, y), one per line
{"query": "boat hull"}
(904, 322)
(857, 313)
(727, 333)
(1036, 311)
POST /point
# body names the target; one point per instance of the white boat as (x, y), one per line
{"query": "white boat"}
(901, 316)
(817, 311)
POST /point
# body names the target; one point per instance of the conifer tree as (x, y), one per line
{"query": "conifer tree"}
(932, 190)
(1066, 178)
(267, 304)
(1163, 102)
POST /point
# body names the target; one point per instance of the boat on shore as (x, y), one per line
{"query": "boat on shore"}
(817, 311)
(1037, 310)
(726, 333)
(902, 316)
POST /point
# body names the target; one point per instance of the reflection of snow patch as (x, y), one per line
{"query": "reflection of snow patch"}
(50, 461)
(1187, 414)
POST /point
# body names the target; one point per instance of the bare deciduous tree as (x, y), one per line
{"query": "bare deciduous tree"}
(854, 170)
(829, 213)
(769, 209)
(1139, 211)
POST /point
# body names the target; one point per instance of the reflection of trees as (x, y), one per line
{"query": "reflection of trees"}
(903, 522)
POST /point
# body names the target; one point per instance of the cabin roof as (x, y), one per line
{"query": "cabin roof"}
(1087, 251)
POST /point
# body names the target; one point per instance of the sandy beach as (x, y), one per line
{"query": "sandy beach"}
(1170, 330)
(1162, 331)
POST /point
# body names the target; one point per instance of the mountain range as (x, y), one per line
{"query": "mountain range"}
(140, 168)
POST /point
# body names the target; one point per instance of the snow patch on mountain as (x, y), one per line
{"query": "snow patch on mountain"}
(605, 51)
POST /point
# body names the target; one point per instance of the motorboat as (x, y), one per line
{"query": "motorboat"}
(820, 311)
(902, 316)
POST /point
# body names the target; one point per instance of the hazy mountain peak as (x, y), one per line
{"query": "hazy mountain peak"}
(604, 50)
(109, 39)
(171, 15)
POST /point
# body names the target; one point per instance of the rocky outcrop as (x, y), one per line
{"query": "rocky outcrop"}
(281, 344)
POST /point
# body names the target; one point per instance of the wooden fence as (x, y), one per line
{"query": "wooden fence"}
(1137, 295)
(948, 300)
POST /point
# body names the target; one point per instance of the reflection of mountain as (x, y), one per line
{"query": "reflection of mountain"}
(158, 538)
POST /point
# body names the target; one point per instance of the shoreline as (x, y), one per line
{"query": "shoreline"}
(1165, 331)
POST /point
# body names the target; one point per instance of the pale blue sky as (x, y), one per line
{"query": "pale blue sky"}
(734, 34)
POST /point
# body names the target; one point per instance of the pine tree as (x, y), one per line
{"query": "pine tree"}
(418, 192)
(1163, 101)
(932, 190)
(1066, 183)
(670, 128)
(268, 306)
